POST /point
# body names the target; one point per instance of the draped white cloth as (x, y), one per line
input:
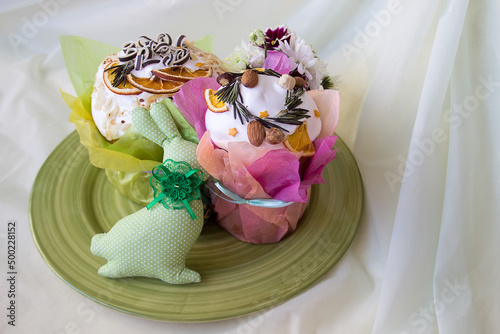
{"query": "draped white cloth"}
(420, 97)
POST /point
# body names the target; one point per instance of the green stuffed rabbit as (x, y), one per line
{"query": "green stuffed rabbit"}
(154, 241)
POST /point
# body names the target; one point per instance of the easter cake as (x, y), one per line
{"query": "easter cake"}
(145, 71)
(266, 133)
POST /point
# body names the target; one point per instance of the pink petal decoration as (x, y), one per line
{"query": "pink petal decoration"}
(191, 102)
(321, 158)
(230, 167)
(328, 102)
(278, 173)
(277, 61)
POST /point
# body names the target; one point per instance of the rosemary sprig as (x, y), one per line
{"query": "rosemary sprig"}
(271, 72)
(298, 110)
(326, 82)
(244, 112)
(268, 123)
(284, 120)
(296, 114)
(229, 94)
(292, 114)
(293, 99)
(120, 72)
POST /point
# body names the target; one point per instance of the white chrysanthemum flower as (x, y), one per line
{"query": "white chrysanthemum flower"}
(303, 59)
(244, 56)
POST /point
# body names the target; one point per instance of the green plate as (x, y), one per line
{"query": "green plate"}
(72, 200)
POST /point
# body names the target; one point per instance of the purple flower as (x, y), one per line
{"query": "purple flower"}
(273, 36)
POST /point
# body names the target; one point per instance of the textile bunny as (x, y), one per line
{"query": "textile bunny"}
(154, 242)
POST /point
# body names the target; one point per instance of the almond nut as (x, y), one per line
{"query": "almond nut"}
(250, 78)
(274, 136)
(286, 81)
(256, 133)
(300, 82)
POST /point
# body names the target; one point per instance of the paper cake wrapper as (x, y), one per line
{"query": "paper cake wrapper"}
(255, 224)
(239, 171)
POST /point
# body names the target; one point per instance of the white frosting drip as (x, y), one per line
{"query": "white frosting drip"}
(266, 96)
(112, 113)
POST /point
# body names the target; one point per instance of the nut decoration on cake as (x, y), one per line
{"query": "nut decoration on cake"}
(266, 133)
(265, 108)
(145, 71)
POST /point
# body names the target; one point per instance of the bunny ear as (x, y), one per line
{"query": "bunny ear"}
(163, 120)
(143, 121)
(158, 126)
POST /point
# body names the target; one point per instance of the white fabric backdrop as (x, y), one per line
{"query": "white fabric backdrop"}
(420, 85)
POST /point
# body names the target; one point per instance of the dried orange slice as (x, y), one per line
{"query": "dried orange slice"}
(299, 141)
(124, 88)
(154, 84)
(213, 103)
(181, 73)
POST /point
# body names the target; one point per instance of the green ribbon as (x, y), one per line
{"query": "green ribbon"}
(175, 184)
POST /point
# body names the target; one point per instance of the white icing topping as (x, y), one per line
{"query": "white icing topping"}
(112, 113)
(268, 96)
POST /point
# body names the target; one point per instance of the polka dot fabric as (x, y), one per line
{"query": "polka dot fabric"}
(143, 121)
(154, 243)
(151, 243)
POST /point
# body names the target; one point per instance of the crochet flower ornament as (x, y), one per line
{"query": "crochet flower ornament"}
(154, 241)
